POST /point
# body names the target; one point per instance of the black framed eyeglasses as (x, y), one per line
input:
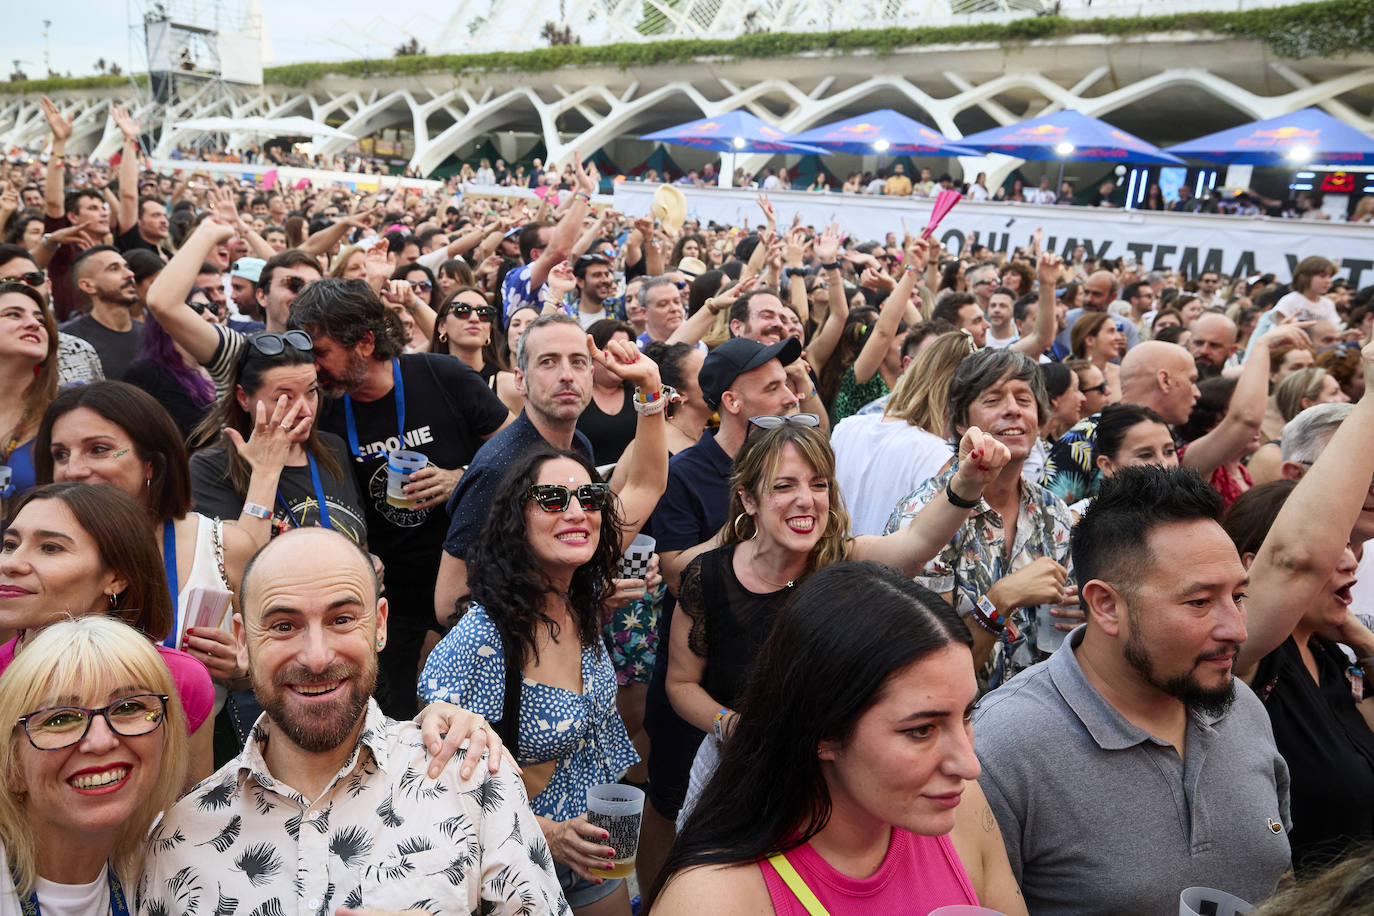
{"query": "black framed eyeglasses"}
(56, 727)
(270, 343)
(1100, 388)
(463, 310)
(772, 422)
(554, 497)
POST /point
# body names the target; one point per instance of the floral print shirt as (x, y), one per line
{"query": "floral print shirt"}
(1070, 472)
(382, 835)
(977, 557)
(583, 732)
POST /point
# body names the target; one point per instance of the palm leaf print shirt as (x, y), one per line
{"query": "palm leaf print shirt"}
(383, 835)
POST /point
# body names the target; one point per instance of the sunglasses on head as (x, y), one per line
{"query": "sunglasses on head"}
(270, 343)
(772, 422)
(463, 310)
(554, 497)
(32, 278)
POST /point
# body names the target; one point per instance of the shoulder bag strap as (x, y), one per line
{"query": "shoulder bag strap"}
(217, 538)
(798, 887)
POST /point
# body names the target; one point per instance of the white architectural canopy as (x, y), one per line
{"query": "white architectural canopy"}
(1166, 88)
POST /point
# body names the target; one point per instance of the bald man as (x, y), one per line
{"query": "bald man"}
(1098, 292)
(1213, 342)
(332, 806)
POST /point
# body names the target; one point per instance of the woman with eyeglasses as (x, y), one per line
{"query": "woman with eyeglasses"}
(420, 278)
(850, 782)
(98, 750)
(112, 432)
(787, 520)
(28, 378)
(465, 327)
(528, 653)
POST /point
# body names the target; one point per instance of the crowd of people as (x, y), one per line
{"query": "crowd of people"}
(1012, 580)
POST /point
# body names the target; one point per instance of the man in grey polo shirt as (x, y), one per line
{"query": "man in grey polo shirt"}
(1132, 764)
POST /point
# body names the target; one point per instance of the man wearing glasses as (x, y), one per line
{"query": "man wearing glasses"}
(215, 346)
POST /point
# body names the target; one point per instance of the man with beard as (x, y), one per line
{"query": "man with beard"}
(596, 285)
(1132, 764)
(382, 400)
(101, 274)
(330, 807)
(1212, 343)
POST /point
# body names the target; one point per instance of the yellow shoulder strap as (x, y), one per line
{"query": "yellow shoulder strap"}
(795, 883)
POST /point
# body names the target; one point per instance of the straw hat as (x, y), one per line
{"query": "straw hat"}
(670, 206)
(692, 267)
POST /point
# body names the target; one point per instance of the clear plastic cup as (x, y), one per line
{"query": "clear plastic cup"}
(618, 810)
(1208, 901)
(1047, 637)
(400, 464)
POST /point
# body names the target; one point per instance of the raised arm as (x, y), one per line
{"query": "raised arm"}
(909, 549)
(823, 344)
(695, 327)
(891, 315)
(1042, 335)
(167, 295)
(1310, 533)
(128, 169)
(796, 291)
(54, 190)
(1230, 439)
(647, 477)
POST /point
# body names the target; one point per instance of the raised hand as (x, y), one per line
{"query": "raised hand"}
(224, 205)
(624, 359)
(60, 124)
(918, 253)
(561, 281)
(722, 301)
(981, 459)
(828, 244)
(127, 125)
(1047, 267)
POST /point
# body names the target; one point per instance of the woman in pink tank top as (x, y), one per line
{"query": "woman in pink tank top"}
(849, 783)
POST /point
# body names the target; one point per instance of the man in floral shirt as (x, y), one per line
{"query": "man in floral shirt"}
(330, 804)
(1012, 554)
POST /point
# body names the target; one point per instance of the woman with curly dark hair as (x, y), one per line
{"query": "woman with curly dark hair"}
(539, 578)
(538, 575)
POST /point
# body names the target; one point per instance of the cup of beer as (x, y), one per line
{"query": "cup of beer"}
(618, 810)
(1208, 901)
(400, 464)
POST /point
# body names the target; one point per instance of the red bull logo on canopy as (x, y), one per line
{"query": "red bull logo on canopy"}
(1280, 136)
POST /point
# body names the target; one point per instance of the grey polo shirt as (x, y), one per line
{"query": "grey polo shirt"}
(1098, 816)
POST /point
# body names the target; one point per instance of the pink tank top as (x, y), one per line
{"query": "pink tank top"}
(919, 874)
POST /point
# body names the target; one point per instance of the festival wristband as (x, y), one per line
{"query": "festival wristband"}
(256, 510)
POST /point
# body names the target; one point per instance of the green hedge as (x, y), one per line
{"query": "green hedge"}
(1323, 29)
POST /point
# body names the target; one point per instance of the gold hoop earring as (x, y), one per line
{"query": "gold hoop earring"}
(114, 602)
(735, 527)
(443, 338)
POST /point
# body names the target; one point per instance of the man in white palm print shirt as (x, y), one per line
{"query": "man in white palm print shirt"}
(329, 806)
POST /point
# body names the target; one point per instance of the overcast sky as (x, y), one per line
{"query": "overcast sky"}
(83, 31)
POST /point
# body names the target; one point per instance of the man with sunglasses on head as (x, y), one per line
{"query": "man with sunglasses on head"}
(553, 375)
(77, 361)
(217, 347)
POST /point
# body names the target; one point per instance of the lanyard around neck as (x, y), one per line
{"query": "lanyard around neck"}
(118, 906)
(169, 562)
(352, 428)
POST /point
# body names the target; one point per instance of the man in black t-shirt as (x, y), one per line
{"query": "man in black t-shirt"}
(102, 274)
(383, 400)
(151, 230)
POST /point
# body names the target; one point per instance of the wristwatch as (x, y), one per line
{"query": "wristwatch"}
(47, 242)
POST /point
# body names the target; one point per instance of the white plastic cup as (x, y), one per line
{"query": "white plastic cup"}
(964, 909)
(1208, 901)
(1047, 637)
(618, 809)
(400, 464)
(634, 564)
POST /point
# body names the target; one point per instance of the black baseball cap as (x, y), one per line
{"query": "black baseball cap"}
(737, 356)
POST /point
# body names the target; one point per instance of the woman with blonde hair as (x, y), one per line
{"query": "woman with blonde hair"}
(97, 751)
(880, 458)
(787, 519)
(349, 263)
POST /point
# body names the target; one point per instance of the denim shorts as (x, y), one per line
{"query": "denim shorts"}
(579, 891)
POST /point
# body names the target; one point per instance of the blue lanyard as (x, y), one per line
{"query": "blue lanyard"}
(169, 561)
(29, 905)
(319, 497)
(400, 390)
